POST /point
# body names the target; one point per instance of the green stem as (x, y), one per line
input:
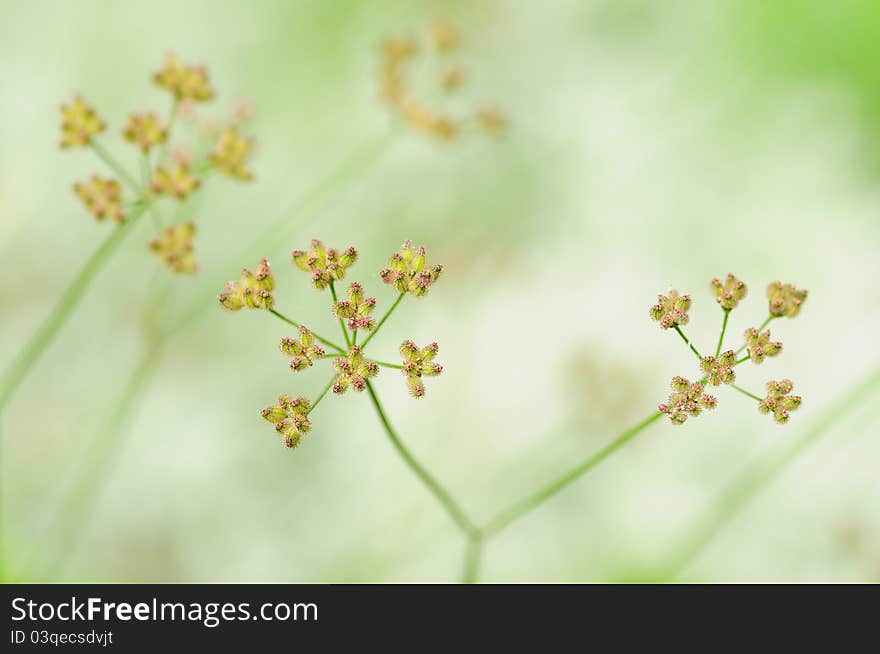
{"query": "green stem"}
(22, 363)
(723, 329)
(745, 358)
(326, 342)
(323, 393)
(472, 556)
(146, 180)
(354, 337)
(745, 392)
(382, 322)
(114, 165)
(452, 507)
(172, 115)
(523, 506)
(759, 476)
(763, 324)
(685, 339)
(388, 365)
(341, 321)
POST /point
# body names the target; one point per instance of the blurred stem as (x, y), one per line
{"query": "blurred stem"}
(326, 342)
(172, 115)
(763, 324)
(22, 363)
(685, 339)
(114, 165)
(452, 507)
(146, 180)
(759, 476)
(322, 394)
(382, 322)
(523, 506)
(472, 556)
(745, 392)
(721, 336)
(341, 321)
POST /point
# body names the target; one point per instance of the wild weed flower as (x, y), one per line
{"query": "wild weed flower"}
(185, 82)
(231, 153)
(778, 401)
(324, 264)
(785, 299)
(103, 197)
(145, 130)
(437, 117)
(252, 290)
(671, 309)
(175, 247)
(79, 123)
(354, 371)
(418, 363)
(408, 270)
(304, 351)
(729, 293)
(356, 309)
(175, 181)
(760, 346)
(687, 399)
(719, 370)
(290, 416)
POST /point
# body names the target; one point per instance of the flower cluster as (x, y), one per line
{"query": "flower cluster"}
(290, 418)
(356, 309)
(176, 182)
(354, 371)
(671, 309)
(778, 401)
(230, 155)
(252, 290)
(729, 293)
(397, 56)
(326, 265)
(352, 367)
(408, 270)
(103, 197)
(687, 399)
(79, 123)
(303, 351)
(785, 299)
(185, 82)
(418, 363)
(145, 130)
(719, 370)
(760, 346)
(175, 247)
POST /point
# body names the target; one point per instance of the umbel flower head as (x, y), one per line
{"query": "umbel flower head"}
(408, 270)
(176, 182)
(719, 370)
(324, 264)
(356, 309)
(230, 155)
(418, 363)
(175, 247)
(253, 290)
(354, 371)
(778, 401)
(103, 197)
(687, 399)
(290, 418)
(304, 351)
(185, 82)
(145, 130)
(79, 123)
(671, 309)
(760, 346)
(729, 293)
(785, 299)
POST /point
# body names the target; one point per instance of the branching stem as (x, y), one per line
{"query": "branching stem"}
(325, 341)
(382, 322)
(341, 321)
(689, 344)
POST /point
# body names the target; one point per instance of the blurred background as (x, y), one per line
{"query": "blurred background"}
(648, 145)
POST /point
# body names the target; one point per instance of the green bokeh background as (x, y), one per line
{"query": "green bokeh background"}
(649, 145)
